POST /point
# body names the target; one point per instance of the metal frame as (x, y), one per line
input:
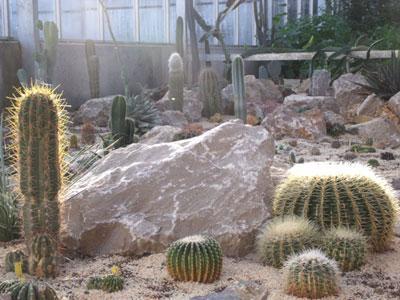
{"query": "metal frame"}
(6, 18)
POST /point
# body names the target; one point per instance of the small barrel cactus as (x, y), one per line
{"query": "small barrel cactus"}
(311, 275)
(195, 258)
(94, 283)
(13, 257)
(284, 237)
(340, 194)
(210, 93)
(176, 80)
(346, 246)
(112, 283)
(27, 290)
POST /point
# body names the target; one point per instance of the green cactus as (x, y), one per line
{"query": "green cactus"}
(179, 36)
(195, 258)
(112, 283)
(122, 128)
(19, 290)
(94, 283)
(73, 142)
(284, 237)
(362, 149)
(13, 257)
(39, 125)
(373, 163)
(347, 247)
(340, 194)
(311, 275)
(92, 62)
(176, 80)
(210, 93)
(239, 89)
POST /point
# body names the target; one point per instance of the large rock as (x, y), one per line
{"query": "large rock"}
(160, 134)
(371, 107)
(320, 82)
(173, 118)
(140, 198)
(394, 104)
(96, 111)
(304, 102)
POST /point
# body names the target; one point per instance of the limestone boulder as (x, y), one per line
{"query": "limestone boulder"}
(140, 198)
(371, 107)
(96, 111)
(394, 104)
(305, 102)
(320, 82)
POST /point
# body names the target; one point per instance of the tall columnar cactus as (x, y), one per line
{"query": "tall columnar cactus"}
(122, 128)
(210, 93)
(27, 290)
(340, 194)
(92, 62)
(239, 88)
(346, 246)
(284, 237)
(39, 127)
(176, 80)
(311, 275)
(179, 36)
(195, 258)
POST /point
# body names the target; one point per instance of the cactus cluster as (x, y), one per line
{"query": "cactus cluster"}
(340, 194)
(347, 247)
(30, 290)
(210, 93)
(284, 237)
(176, 80)
(14, 257)
(92, 62)
(109, 283)
(239, 89)
(195, 258)
(311, 275)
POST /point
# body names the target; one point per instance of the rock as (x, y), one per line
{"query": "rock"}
(381, 130)
(349, 156)
(160, 134)
(243, 290)
(371, 107)
(285, 122)
(315, 151)
(303, 87)
(140, 198)
(332, 119)
(348, 94)
(293, 143)
(397, 230)
(336, 144)
(173, 118)
(304, 102)
(320, 82)
(96, 111)
(394, 104)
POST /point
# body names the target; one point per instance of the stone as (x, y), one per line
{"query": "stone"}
(320, 82)
(336, 144)
(96, 111)
(394, 104)
(285, 122)
(304, 102)
(160, 134)
(349, 156)
(315, 151)
(173, 118)
(140, 198)
(372, 107)
(332, 118)
(303, 87)
(381, 130)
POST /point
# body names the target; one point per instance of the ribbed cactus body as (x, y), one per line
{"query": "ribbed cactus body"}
(311, 275)
(179, 36)
(176, 80)
(30, 290)
(210, 93)
(239, 89)
(93, 65)
(284, 237)
(94, 283)
(112, 283)
(119, 125)
(347, 247)
(14, 257)
(338, 194)
(195, 258)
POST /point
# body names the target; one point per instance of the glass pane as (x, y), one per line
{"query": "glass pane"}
(46, 10)
(13, 18)
(2, 33)
(206, 9)
(228, 25)
(172, 20)
(292, 10)
(246, 23)
(305, 8)
(121, 16)
(279, 8)
(151, 21)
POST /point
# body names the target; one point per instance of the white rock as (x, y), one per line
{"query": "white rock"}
(371, 106)
(304, 102)
(160, 134)
(173, 118)
(394, 104)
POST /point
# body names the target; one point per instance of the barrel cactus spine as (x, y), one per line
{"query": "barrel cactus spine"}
(209, 92)
(239, 88)
(176, 80)
(195, 258)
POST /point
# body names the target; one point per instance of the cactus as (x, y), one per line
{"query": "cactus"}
(88, 134)
(362, 149)
(283, 237)
(239, 89)
(73, 142)
(179, 36)
(112, 283)
(347, 247)
(311, 275)
(373, 163)
(387, 156)
(195, 258)
(13, 257)
(39, 128)
(92, 62)
(27, 290)
(176, 80)
(210, 94)
(122, 129)
(340, 194)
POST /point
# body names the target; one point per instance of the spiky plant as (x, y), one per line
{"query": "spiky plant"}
(347, 247)
(362, 149)
(311, 275)
(112, 283)
(122, 128)
(30, 290)
(176, 80)
(39, 128)
(93, 64)
(373, 163)
(340, 194)
(94, 283)
(210, 93)
(179, 36)
(195, 258)
(387, 156)
(14, 257)
(239, 88)
(88, 134)
(283, 237)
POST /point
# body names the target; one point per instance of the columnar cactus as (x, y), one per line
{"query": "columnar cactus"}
(122, 128)
(27, 290)
(39, 126)
(311, 275)
(347, 247)
(340, 194)
(92, 62)
(176, 80)
(14, 257)
(210, 93)
(239, 88)
(284, 237)
(195, 258)
(179, 36)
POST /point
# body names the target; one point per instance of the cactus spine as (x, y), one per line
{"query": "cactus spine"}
(179, 36)
(176, 80)
(195, 258)
(92, 62)
(340, 194)
(284, 237)
(239, 88)
(311, 275)
(210, 94)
